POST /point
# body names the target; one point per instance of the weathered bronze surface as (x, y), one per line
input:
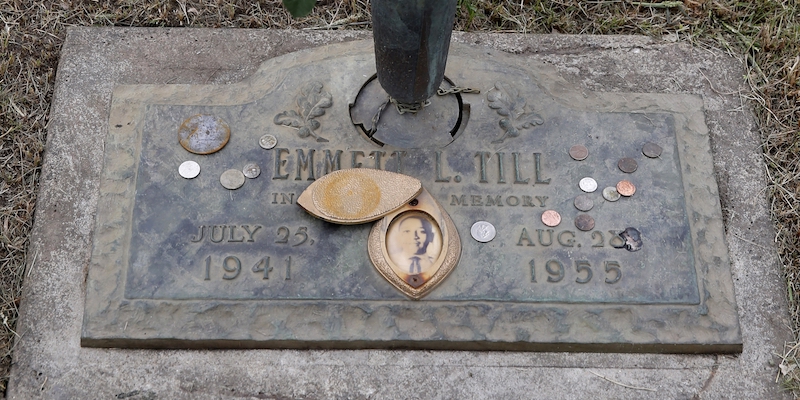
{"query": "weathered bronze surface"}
(186, 263)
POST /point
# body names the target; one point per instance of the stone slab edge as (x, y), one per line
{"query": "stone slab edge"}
(49, 361)
(111, 320)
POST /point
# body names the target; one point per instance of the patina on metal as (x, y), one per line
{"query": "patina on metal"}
(412, 39)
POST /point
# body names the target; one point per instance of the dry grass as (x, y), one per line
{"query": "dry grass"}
(764, 33)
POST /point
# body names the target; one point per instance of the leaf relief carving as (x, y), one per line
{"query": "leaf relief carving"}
(312, 102)
(509, 104)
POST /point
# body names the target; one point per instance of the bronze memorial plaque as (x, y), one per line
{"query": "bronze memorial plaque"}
(548, 218)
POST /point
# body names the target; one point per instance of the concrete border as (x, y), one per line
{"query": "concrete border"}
(50, 362)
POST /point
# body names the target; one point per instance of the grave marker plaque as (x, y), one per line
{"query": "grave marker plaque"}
(184, 263)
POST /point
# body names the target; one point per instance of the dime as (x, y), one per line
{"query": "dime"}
(189, 169)
(626, 188)
(251, 170)
(232, 179)
(651, 150)
(584, 222)
(204, 134)
(578, 152)
(551, 218)
(610, 193)
(583, 203)
(483, 231)
(627, 165)
(267, 142)
(588, 185)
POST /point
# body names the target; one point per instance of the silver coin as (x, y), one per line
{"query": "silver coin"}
(268, 142)
(189, 169)
(483, 231)
(588, 185)
(232, 179)
(583, 203)
(251, 170)
(610, 193)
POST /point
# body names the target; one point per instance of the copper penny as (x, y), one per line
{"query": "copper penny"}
(583, 203)
(627, 165)
(551, 218)
(626, 188)
(584, 222)
(578, 152)
(651, 150)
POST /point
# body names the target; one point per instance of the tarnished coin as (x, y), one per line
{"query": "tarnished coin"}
(578, 152)
(204, 134)
(251, 170)
(232, 179)
(483, 231)
(583, 203)
(610, 193)
(651, 150)
(584, 222)
(268, 142)
(551, 218)
(626, 188)
(588, 185)
(189, 169)
(627, 165)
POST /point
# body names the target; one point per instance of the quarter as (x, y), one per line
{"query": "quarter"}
(204, 134)
(651, 150)
(189, 169)
(627, 165)
(626, 188)
(483, 231)
(578, 152)
(251, 170)
(584, 222)
(551, 218)
(588, 185)
(232, 179)
(267, 142)
(583, 203)
(610, 193)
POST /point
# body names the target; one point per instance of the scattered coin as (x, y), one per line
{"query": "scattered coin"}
(610, 193)
(232, 179)
(651, 150)
(189, 169)
(627, 165)
(578, 152)
(626, 188)
(583, 203)
(584, 222)
(483, 231)
(633, 239)
(551, 218)
(267, 142)
(204, 134)
(588, 185)
(251, 170)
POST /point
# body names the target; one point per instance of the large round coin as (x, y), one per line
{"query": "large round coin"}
(626, 188)
(483, 231)
(232, 179)
(627, 165)
(651, 150)
(204, 134)
(189, 169)
(584, 222)
(578, 152)
(588, 185)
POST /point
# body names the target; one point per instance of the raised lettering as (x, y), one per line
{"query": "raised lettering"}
(537, 159)
(378, 155)
(287, 198)
(354, 154)
(200, 234)
(333, 162)
(569, 242)
(483, 155)
(456, 201)
(542, 200)
(541, 239)
(513, 203)
(305, 162)
(498, 201)
(524, 236)
(231, 230)
(501, 172)
(517, 176)
(279, 163)
(250, 233)
(398, 155)
(527, 201)
(476, 200)
(221, 233)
